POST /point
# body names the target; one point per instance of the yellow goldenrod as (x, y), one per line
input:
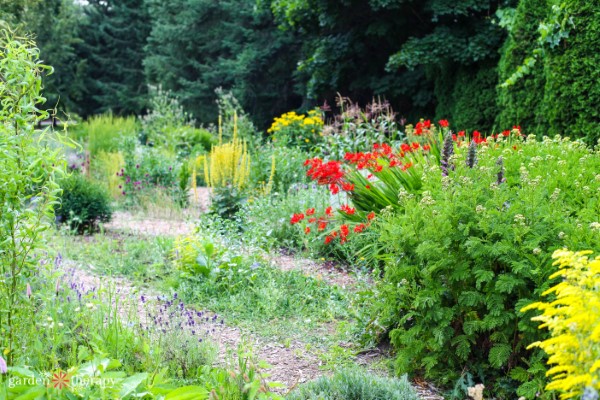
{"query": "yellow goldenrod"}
(573, 320)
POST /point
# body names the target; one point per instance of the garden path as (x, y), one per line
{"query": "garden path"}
(292, 363)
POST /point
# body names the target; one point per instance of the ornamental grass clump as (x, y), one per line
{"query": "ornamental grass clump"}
(573, 319)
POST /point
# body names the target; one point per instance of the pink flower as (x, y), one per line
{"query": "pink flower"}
(28, 291)
(3, 366)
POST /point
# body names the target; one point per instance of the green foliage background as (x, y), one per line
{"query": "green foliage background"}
(432, 59)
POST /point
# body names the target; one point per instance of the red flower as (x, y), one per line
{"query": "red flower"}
(461, 133)
(329, 211)
(310, 211)
(324, 173)
(427, 124)
(476, 134)
(426, 147)
(506, 133)
(359, 228)
(378, 168)
(335, 189)
(344, 231)
(371, 215)
(322, 225)
(517, 128)
(312, 220)
(307, 230)
(348, 187)
(443, 123)
(404, 147)
(368, 187)
(454, 137)
(415, 145)
(328, 239)
(347, 209)
(296, 218)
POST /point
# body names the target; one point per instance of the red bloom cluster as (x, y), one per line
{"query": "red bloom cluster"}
(296, 218)
(347, 209)
(421, 126)
(443, 123)
(324, 173)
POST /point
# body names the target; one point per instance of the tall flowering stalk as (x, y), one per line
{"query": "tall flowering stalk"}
(500, 163)
(472, 154)
(573, 320)
(447, 151)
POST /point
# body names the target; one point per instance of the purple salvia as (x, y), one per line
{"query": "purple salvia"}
(447, 152)
(472, 154)
(501, 179)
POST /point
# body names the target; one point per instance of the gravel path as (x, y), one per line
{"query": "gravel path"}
(291, 364)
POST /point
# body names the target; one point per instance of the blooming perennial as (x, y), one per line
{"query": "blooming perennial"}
(573, 320)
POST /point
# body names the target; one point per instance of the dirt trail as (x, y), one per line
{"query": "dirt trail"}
(291, 364)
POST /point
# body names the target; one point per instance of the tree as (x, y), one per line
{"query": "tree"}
(198, 46)
(114, 34)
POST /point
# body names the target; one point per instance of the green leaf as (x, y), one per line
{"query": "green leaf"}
(130, 384)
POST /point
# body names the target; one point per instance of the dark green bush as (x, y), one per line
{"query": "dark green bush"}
(572, 75)
(521, 104)
(83, 204)
(355, 384)
(463, 256)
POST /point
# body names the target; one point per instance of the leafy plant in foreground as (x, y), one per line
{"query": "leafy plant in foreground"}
(29, 167)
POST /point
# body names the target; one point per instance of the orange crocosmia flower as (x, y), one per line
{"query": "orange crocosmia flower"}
(371, 215)
(310, 211)
(307, 230)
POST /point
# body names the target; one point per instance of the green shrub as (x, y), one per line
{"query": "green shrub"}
(572, 92)
(521, 103)
(288, 168)
(468, 251)
(355, 384)
(83, 204)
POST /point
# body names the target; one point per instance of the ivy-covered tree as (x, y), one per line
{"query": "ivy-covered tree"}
(572, 91)
(198, 46)
(522, 102)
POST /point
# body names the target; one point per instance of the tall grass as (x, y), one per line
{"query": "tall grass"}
(105, 132)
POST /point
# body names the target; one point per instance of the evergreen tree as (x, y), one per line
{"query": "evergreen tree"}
(197, 46)
(114, 35)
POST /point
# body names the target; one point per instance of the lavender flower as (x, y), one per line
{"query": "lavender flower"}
(3, 366)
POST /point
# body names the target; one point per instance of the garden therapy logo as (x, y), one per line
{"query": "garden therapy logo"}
(60, 380)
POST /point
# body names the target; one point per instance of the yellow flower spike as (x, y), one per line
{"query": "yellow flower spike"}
(573, 320)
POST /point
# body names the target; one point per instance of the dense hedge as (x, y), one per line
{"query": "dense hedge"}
(572, 76)
(522, 103)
